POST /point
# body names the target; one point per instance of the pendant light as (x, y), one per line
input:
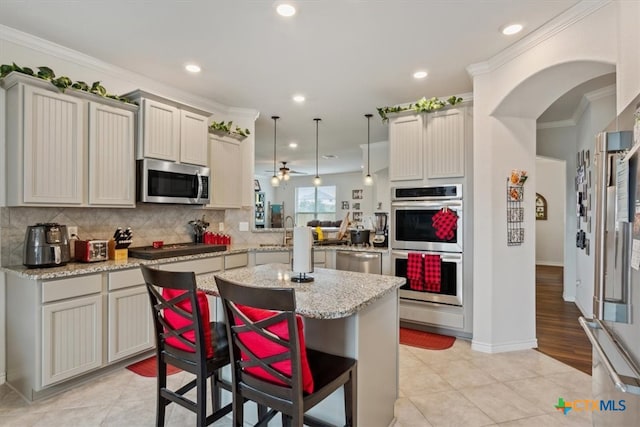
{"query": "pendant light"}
(317, 181)
(275, 182)
(368, 180)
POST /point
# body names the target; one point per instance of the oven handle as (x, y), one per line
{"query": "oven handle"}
(444, 256)
(452, 204)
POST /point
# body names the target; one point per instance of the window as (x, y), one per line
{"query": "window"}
(315, 203)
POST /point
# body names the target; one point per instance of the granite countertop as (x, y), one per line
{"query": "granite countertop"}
(79, 268)
(332, 295)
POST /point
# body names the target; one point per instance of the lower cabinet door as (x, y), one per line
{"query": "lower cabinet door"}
(71, 338)
(130, 323)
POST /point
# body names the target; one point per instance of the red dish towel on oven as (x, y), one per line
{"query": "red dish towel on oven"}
(445, 221)
(415, 275)
(432, 273)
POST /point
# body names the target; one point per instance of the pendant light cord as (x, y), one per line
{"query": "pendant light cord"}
(275, 118)
(368, 116)
(317, 120)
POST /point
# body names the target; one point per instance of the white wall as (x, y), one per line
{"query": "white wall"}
(562, 143)
(510, 91)
(550, 179)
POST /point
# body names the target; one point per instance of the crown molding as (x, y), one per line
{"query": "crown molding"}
(546, 31)
(585, 101)
(557, 124)
(600, 93)
(136, 80)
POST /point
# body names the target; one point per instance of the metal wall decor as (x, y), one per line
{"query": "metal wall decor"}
(515, 210)
(541, 207)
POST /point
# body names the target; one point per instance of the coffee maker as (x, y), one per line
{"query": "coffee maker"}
(381, 237)
(46, 245)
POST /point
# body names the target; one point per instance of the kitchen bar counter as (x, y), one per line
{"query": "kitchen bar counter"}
(333, 293)
(80, 268)
(350, 314)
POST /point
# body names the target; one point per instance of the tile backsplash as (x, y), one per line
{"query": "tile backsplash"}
(169, 223)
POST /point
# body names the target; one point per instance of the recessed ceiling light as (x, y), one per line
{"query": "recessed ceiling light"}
(420, 74)
(285, 9)
(192, 68)
(329, 156)
(298, 98)
(512, 29)
(293, 145)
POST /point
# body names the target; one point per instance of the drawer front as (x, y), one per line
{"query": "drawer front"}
(54, 290)
(198, 266)
(272, 257)
(236, 261)
(125, 279)
(319, 257)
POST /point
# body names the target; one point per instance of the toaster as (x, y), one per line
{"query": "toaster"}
(91, 250)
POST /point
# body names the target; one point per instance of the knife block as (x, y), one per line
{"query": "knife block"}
(117, 254)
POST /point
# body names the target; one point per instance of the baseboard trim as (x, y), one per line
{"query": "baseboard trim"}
(504, 347)
(3, 378)
(569, 298)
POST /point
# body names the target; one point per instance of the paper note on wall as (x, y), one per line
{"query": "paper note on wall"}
(635, 254)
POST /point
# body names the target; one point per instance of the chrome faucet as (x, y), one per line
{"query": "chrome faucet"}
(287, 237)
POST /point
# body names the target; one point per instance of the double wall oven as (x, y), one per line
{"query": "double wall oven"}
(413, 211)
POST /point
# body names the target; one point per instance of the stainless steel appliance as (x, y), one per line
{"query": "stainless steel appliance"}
(361, 262)
(450, 278)
(91, 250)
(412, 213)
(381, 236)
(160, 181)
(615, 329)
(46, 245)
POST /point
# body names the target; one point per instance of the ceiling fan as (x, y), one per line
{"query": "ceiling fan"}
(284, 172)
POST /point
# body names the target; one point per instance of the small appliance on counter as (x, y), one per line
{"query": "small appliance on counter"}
(381, 237)
(46, 245)
(91, 250)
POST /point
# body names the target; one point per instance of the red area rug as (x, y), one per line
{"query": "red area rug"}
(425, 339)
(147, 368)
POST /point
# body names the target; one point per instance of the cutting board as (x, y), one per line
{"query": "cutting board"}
(343, 227)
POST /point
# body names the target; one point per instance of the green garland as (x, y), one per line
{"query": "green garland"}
(226, 128)
(62, 82)
(423, 105)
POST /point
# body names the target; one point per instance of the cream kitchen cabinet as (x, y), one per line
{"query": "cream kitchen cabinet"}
(169, 130)
(111, 156)
(225, 162)
(57, 143)
(445, 138)
(406, 148)
(54, 331)
(129, 324)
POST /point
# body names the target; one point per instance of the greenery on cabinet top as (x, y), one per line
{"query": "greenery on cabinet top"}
(222, 128)
(423, 105)
(62, 82)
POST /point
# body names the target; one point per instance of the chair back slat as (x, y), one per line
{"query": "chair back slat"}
(250, 370)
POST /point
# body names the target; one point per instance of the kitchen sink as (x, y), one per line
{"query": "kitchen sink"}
(173, 250)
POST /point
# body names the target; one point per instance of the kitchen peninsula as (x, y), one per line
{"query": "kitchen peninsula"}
(345, 313)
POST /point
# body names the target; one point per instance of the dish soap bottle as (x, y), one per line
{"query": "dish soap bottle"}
(319, 233)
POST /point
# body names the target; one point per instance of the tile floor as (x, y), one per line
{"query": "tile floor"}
(454, 387)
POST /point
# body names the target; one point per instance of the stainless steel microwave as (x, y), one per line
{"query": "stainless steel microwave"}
(160, 181)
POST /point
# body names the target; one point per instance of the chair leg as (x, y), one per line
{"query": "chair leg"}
(201, 399)
(237, 406)
(161, 383)
(286, 420)
(216, 398)
(351, 399)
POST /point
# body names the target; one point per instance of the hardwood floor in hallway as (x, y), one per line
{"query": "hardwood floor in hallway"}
(559, 333)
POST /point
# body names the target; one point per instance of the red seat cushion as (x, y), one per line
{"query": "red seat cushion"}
(177, 321)
(263, 347)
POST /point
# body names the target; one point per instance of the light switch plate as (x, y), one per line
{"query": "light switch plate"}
(243, 226)
(221, 226)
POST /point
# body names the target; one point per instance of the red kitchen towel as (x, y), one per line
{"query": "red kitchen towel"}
(432, 273)
(445, 221)
(415, 275)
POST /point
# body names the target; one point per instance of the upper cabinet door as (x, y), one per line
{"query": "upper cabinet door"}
(225, 161)
(161, 130)
(194, 135)
(111, 156)
(53, 150)
(445, 143)
(405, 145)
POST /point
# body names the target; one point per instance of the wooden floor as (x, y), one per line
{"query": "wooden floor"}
(559, 333)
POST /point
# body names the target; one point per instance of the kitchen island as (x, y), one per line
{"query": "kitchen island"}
(345, 313)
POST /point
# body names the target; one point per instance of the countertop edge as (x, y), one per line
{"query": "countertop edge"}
(78, 268)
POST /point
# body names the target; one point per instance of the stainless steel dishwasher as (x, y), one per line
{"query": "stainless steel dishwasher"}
(361, 262)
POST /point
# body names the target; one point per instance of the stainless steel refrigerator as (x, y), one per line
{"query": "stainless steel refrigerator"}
(614, 330)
